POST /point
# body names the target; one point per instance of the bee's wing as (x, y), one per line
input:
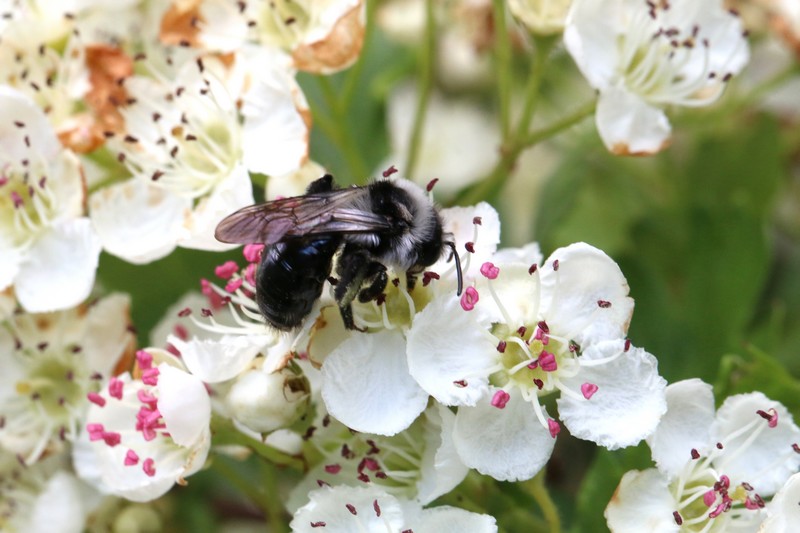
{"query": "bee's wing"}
(313, 214)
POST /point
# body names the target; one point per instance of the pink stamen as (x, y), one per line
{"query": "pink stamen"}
(333, 469)
(250, 274)
(115, 388)
(131, 458)
(771, 416)
(144, 359)
(489, 270)
(148, 421)
(500, 399)
(146, 398)
(233, 285)
(150, 376)
(252, 252)
(548, 362)
(95, 431)
(111, 438)
(554, 427)
(181, 332)
(431, 184)
(389, 171)
(16, 198)
(709, 498)
(149, 467)
(226, 270)
(588, 390)
(96, 399)
(469, 299)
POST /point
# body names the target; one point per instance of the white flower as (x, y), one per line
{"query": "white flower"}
(533, 331)
(366, 382)
(458, 143)
(41, 497)
(190, 144)
(714, 471)
(643, 56)
(144, 435)
(345, 509)
(783, 511)
(51, 362)
(541, 16)
(420, 464)
(265, 401)
(50, 251)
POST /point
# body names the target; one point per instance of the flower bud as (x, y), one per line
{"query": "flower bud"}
(265, 402)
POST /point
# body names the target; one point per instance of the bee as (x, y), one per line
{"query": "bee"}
(387, 223)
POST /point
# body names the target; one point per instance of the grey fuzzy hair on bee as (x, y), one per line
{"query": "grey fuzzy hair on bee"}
(385, 224)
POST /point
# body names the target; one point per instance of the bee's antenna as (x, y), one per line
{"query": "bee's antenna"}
(459, 275)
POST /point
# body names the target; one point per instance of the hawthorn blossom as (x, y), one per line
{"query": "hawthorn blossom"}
(419, 464)
(144, 435)
(714, 470)
(544, 17)
(370, 509)
(49, 249)
(366, 380)
(190, 143)
(642, 56)
(529, 332)
(458, 142)
(321, 36)
(42, 497)
(783, 511)
(52, 364)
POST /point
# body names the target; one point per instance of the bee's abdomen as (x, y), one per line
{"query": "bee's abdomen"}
(290, 279)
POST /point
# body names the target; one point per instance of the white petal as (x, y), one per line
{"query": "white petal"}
(59, 269)
(137, 221)
(629, 401)
(642, 502)
(783, 509)
(184, 403)
(108, 333)
(685, 426)
(508, 444)
(215, 361)
(10, 265)
(235, 192)
(446, 349)
(367, 385)
(572, 295)
(530, 254)
(274, 135)
(630, 126)
(591, 38)
(59, 507)
(16, 107)
(446, 519)
(459, 222)
(329, 505)
(769, 460)
(441, 469)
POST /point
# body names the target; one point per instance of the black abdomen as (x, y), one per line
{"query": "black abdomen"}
(290, 279)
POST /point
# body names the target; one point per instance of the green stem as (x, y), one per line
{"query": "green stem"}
(273, 503)
(226, 434)
(427, 65)
(544, 45)
(503, 74)
(338, 131)
(545, 502)
(489, 187)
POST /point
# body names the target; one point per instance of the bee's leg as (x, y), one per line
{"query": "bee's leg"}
(376, 273)
(352, 268)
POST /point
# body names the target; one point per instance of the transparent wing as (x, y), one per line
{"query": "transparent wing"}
(323, 213)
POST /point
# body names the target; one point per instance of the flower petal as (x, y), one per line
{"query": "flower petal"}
(771, 459)
(783, 509)
(329, 506)
(587, 297)
(441, 470)
(218, 360)
(184, 403)
(642, 502)
(685, 426)
(447, 519)
(59, 269)
(629, 401)
(367, 385)
(630, 126)
(448, 355)
(508, 444)
(137, 221)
